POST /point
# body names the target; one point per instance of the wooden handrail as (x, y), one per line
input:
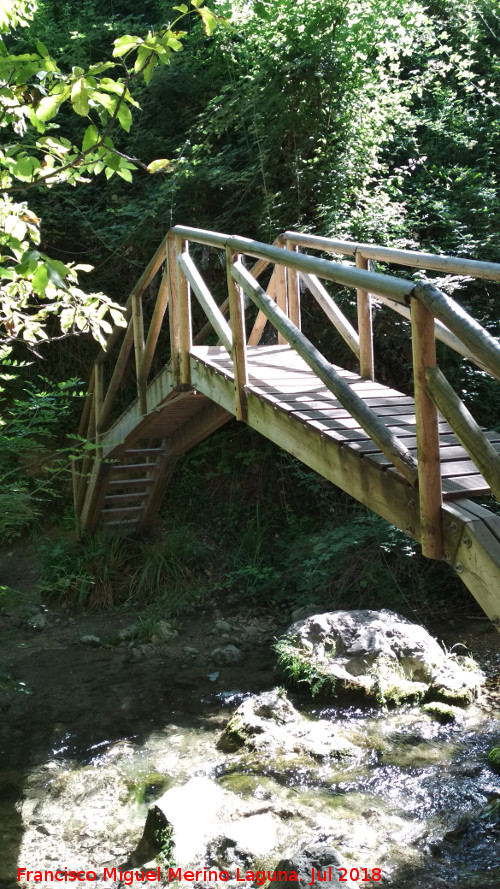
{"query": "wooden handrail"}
(411, 258)
(484, 347)
(374, 282)
(388, 443)
(332, 311)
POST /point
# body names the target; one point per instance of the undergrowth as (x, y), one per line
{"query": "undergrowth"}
(254, 528)
(299, 670)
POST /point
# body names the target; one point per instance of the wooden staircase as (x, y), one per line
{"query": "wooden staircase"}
(132, 487)
(418, 461)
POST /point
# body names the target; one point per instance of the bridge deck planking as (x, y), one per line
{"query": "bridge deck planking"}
(291, 386)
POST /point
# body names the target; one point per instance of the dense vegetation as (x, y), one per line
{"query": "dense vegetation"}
(370, 119)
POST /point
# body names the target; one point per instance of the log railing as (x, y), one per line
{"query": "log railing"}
(432, 315)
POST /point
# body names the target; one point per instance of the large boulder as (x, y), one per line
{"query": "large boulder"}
(199, 821)
(317, 865)
(269, 724)
(378, 654)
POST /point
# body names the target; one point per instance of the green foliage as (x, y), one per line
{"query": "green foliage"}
(19, 509)
(299, 670)
(90, 573)
(168, 575)
(252, 576)
(494, 758)
(166, 845)
(34, 419)
(34, 90)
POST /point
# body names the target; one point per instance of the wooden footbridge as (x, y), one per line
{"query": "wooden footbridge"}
(419, 462)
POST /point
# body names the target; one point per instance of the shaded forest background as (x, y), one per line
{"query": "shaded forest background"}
(367, 119)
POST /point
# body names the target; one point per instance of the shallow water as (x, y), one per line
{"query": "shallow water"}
(80, 768)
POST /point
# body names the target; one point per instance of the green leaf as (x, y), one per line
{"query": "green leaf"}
(112, 86)
(98, 69)
(159, 166)
(49, 106)
(112, 161)
(148, 72)
(124, 44)
(25, 167)
(105, 100)
(90, 138)
(29, 262)
(42, 49)
(174, 44)
(80, 97)
(40, 280)
(209, 20)
(142, 54)
(53, 272)
(35, 122)
(182, 8)
(196, 3)
(125, 117)
(125, 174)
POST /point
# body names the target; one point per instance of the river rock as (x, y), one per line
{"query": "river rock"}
(201, 822)
(313, 859)
(227, 655)
(268, 723)
(379, 654)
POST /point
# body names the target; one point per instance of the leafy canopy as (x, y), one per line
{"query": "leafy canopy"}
(34, 92)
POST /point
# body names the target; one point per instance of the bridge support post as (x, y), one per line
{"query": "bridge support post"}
(426, 417)
(365, 327)
(280, 276)
(237, 315)
(183, 314)
(293, 289)
(173, 301)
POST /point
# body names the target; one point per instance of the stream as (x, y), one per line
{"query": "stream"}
(92, 732)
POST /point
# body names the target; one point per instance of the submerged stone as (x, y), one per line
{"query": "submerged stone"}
(268, 723)
(441, 712)
(377, 654)
(316, 865)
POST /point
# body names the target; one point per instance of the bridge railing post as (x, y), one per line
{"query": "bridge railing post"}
(173, 300)
(237, 317)
(293, 289)
(365, 326)
(426, 418)
(183, 313)
(281, 281)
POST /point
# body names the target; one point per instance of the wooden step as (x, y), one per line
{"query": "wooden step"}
(135, 467)
(122, 498)
(130, 482)
(144, 452)
(122, 524)
(122, 510)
